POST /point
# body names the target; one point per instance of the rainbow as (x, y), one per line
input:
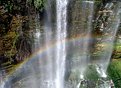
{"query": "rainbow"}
(44, 49)
(52, 45)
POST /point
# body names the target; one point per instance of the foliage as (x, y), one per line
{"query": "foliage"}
(114, 71)
(12, 16)
(117, 49)
(39, 4)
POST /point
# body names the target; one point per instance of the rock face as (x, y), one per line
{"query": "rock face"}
(14, 23)
(17, 23)
(74, 18)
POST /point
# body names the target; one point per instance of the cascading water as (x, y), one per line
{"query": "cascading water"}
(49, 78)
(52, 63)
(80, 48)
(85, 55)
(61, 6)
(109, 32)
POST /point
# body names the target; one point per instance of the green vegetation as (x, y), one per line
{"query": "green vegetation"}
(14, 23)
(91, 73)
(38, 4)
(114, 71)
(14, 32)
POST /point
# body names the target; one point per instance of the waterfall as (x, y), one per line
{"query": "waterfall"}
(108, 37)
(61, 33)
(2, 85)
(85, 47)
(49, 55)
(80, 48)
(52, 67)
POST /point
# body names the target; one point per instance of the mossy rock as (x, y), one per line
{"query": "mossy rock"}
(91, 73)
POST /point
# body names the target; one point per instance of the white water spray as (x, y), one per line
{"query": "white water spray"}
(108, 39)
(61, 8)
